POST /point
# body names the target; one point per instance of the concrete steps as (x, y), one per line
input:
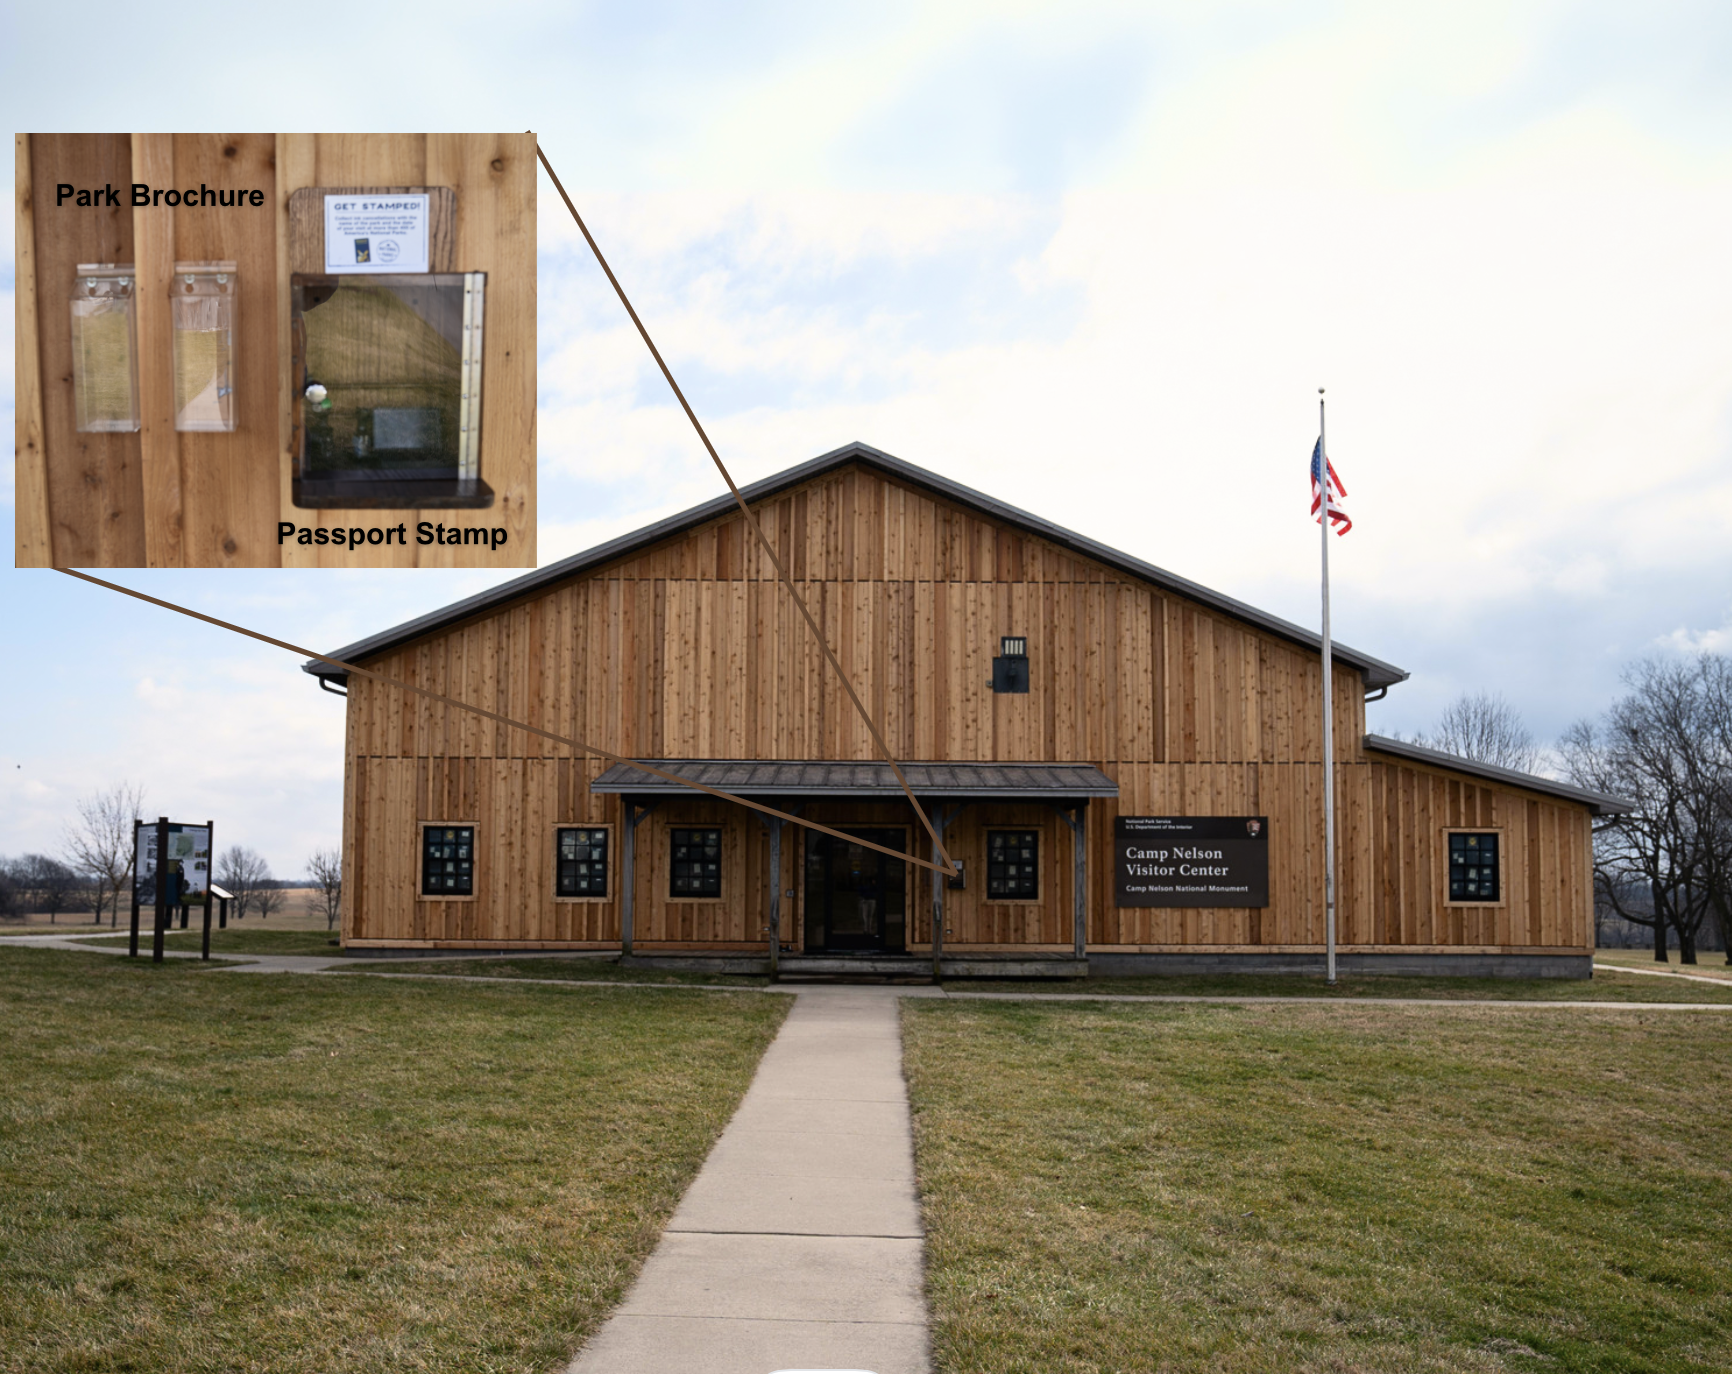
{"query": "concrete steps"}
(913, 968)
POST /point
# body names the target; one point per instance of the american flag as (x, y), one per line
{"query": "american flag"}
(1337, 516)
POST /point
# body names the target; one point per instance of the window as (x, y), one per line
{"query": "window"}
(697, 863)
(1473, 867)
(580, 861)
(1012, 865)
(448, 860)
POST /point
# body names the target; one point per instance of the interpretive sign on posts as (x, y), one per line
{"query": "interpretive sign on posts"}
(1191, 860)
(181, 880)
(188, 864)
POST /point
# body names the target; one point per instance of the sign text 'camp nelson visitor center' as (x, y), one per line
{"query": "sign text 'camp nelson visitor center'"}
(1127, 766)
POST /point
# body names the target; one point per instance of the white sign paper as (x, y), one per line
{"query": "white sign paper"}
(376, 233)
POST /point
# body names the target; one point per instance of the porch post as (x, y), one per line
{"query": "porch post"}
(1076, 817)
(628, 873)
(1080, 861)
(775, 897)
(633, 815)
(940, 819)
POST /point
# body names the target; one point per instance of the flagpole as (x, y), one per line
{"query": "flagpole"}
(1328, 714)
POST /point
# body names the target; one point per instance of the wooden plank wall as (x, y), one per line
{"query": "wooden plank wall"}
(691, 650)
(93, 482)
(166, 499)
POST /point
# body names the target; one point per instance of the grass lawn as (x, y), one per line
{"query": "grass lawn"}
(251, 940)
(1602, 987)
(605, 969)
(1306, 1188)
(1710, 963)
(213, 1172)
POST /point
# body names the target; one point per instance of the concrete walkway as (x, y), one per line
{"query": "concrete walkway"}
(1705, 977)
(799, 1245)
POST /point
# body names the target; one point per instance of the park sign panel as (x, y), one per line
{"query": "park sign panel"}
(188, 863)
(1191, 860)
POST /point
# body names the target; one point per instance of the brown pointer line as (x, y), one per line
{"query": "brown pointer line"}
(506, 720)
(787, 581)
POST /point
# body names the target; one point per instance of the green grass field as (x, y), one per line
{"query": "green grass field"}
(213, 1172)
(1310, 1188)
(1710, 963)
(1603, 987)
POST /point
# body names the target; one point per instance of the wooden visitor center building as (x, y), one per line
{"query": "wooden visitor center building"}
(1074, 718)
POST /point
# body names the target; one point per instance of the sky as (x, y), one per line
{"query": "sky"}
(1092, 259)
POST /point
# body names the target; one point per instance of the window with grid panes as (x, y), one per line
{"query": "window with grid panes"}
(580, 861)
(1473, 868)
(1012, 864)
(448, 860)
(697, 862)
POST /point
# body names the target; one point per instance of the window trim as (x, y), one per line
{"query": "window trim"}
(1040, 842)
(612, 858)
(421, 893)
(722, 832)
(1502, 834)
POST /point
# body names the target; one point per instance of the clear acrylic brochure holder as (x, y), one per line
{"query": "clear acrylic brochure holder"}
(202, 299)
(104, 349)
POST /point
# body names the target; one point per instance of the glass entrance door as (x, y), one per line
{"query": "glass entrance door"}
(856, 898)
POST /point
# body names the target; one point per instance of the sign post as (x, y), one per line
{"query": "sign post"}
(161, 918)
(132, 944)
(210, 851)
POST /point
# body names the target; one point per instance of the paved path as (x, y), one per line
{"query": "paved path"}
(800, 1243)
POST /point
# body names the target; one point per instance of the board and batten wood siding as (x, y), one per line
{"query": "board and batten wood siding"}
(691, 649)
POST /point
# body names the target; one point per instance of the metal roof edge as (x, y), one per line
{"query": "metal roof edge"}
(1600, 803)
(631, 777)
(1375, 671)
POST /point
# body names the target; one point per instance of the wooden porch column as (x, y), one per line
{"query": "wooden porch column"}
(628, 862)
(941, 818)
(1076, 817)
(773, 930)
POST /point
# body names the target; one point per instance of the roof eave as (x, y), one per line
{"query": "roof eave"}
(1599, 803)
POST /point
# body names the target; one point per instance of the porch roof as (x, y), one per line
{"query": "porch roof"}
(873, 781)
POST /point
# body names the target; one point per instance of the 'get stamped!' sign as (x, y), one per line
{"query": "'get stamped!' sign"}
(376, 233)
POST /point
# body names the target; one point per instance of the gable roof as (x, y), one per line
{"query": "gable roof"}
(1375, 671)
(1599, 803)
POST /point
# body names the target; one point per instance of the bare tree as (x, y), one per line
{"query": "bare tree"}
(100, 844)
(1665, 866)
(50, 884)
(267, 894)
(326, 868)
(242, 871)
(11, 905)
(1484, 727)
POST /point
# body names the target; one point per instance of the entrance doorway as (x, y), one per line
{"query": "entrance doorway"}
(856, 898)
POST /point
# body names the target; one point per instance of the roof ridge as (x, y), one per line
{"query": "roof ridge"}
(1375, 671)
